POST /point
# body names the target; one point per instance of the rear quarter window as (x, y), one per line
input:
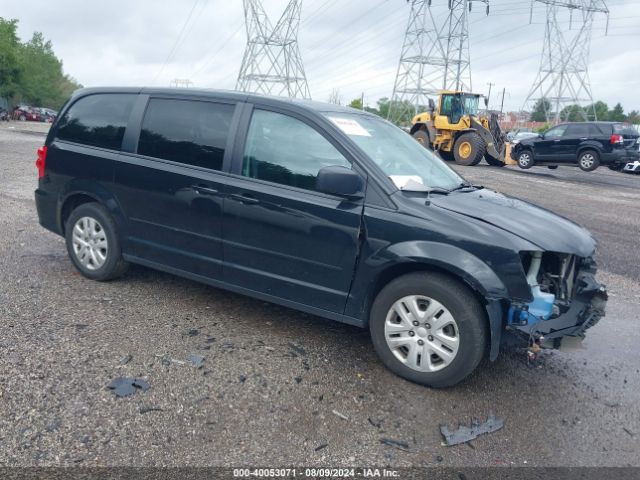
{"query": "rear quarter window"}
(625, 129)
(97, 120)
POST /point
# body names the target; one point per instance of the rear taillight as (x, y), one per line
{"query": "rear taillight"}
(41, 161)
(616, 139)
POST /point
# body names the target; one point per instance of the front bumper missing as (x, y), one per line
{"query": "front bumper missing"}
(587, 308)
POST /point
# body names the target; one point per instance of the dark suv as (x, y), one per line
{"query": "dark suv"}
(588, 144)
(319, 208)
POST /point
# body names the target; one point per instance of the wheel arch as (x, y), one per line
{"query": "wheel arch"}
(80, 192)
(583, 148)
(458, 264)
(419, 126)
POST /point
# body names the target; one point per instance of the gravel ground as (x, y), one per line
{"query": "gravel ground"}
(283, 388)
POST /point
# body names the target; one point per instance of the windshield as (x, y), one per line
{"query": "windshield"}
(471, 104)
(399, 156)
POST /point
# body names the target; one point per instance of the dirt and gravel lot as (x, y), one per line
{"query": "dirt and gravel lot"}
(282, 388)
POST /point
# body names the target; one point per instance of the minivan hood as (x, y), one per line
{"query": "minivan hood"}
(539, 226)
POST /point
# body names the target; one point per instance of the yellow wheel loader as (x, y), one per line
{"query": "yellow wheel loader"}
(457, 132)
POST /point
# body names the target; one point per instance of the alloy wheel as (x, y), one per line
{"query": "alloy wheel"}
(90, 244)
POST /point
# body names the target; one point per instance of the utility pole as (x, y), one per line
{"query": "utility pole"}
(563, 78)
(434, 57)
(272, 64)
(489, 95)
(504, 91)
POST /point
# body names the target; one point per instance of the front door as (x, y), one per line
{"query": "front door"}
(171, 190)
(282, 238)
(549, 147)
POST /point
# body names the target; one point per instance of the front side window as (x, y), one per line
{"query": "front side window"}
(556, 132)
(97, 120)
(186, 131)
(397, 154)
(284, 150)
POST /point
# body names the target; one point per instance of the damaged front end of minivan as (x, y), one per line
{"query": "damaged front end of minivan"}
(567, 299)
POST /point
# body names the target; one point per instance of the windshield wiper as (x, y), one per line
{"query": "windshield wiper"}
(465, 185)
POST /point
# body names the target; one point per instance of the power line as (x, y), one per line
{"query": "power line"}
(177, 41)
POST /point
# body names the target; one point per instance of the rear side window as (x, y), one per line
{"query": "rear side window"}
(186, 131)
(97, 120)
(578, 130)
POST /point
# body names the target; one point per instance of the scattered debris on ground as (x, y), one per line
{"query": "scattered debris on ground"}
(628, 431)
(465, 434)
(395, 443)
(144, 410)
(297, 349)
(196, 360)
(124, 386)
(124, 360)
(192, 359)
(338, 414)
(321, 447)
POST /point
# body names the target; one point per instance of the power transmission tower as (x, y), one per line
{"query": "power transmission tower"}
(272, 64)
(435, 56)
(181, 83)
(563, 78)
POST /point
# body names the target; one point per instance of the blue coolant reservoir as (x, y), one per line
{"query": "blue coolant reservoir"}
(540, 308)
(542, 305)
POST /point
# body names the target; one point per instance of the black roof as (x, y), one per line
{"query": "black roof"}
(227, 94)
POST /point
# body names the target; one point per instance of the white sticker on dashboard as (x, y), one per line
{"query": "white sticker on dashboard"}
(350, 127)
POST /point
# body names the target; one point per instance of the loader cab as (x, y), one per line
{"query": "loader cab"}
(455, 105)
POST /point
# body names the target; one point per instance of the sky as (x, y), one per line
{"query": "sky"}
(352, 46)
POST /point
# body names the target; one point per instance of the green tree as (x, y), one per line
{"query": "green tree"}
(633, 117)
(357, 104)
(30, 72)
(10, 73)
(601, 109)
(617, 114)
(573, 113)
(540, 110)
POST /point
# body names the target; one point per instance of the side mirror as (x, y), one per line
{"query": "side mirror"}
(432, 105)
(340, 181)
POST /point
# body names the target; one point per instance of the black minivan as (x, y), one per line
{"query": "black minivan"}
(317, 207)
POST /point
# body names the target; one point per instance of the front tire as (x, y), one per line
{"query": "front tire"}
(588, 160)
(93, 244)
(525, 159)
(422, 138)
(469, 149)
(429, 329)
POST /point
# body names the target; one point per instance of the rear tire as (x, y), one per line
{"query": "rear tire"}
(526, 160)
(422, 138)
(93, 244)
(469, 149)
(446, 156)
(494, 162)
(588, 160)
(451, 323)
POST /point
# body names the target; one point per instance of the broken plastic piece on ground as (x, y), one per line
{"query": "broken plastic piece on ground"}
(123, 386)
(126, 359)
(340, 415)
(395, 443)
(196, 360)
(465, 434)
(571, 344)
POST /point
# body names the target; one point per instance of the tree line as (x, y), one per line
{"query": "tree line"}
(30, 72)
(575, 113)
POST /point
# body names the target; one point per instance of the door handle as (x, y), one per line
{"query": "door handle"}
(205, 190)
(246, 199)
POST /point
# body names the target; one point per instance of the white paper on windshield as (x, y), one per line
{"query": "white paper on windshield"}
(401, 180)
(350, 127)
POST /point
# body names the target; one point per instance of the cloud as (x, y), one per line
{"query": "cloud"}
(353, 46)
